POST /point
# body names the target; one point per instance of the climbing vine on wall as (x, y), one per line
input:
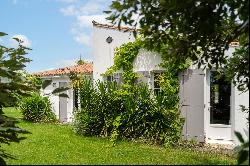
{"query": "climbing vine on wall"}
(124, 57)
(168, 81)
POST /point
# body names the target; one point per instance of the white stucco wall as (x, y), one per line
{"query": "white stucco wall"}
(240, 122)
(216, 133)
(238, 118)
(103, 52)
(147, 61)
(4, 80)
(55, 99)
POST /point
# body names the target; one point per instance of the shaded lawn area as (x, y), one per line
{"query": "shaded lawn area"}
(58, 144)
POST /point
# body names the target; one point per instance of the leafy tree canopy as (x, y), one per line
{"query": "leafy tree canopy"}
(12, 80)
(195, 29)
(12, 85)
(80, 61)
(199, 30)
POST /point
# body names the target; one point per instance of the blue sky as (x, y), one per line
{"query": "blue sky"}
(58, 31)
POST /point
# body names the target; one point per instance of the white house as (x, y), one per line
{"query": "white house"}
(62, 106)
(211, 108)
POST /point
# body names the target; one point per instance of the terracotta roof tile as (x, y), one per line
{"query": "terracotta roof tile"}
(113, 27)
(86, 68)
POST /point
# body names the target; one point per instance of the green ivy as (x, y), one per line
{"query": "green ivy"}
(124, 57)
(169, 82)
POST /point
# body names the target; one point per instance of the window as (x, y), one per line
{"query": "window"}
(76, 99)
(220, 92)
(54, 84)
(110, 78)
(156, 83)
(118, 78)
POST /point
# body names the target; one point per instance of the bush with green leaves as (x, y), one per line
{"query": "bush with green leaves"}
(126, 112)
(37, 108)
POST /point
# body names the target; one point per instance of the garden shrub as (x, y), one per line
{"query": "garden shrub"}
(126, 112)
(37, 108)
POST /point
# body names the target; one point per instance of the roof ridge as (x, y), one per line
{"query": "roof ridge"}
(121, 28)
(84, 68)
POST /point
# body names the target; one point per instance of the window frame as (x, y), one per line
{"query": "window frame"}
(159, 72)
(212, 104)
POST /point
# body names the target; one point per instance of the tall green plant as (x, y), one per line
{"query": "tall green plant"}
(199, 30)
(110, 111)
(169, 82)
(37, 108)
(243, 149)
(12, 85)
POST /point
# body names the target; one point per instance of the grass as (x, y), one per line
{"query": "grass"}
(58, 144)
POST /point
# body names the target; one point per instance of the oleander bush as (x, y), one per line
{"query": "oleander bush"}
(37, 108)
(126, 112)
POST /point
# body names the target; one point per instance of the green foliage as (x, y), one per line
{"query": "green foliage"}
(54, 144)
(12, 80)
(198, 30)
(243, 149)
(34, 81)
(186, 27)
(46, 83)
(124, 57)
(80, 62)
(13, 84)
(140, 105)
(37, 108)
(130, 112)
(42, 84)
(237, 67)
(60, 90)
(167, 100)
(9, 133)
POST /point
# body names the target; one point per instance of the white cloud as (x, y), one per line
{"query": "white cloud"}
(70, 10)
(82, 23)
(84, 13)
(82, 38)
(86, 20)
(65, 63)
(68, 1)
(91, 7)
(14, 2)
(24, 41)
(69, 62)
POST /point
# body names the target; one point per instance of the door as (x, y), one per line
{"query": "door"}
(219, 108)
(192, 104)
(63, 103)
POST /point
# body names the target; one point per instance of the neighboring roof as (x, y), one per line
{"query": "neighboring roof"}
(86, 68)
(113, 27)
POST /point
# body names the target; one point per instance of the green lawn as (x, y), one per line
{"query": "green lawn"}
(57, 144)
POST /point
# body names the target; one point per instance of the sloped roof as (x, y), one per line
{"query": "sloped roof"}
(86, 68)
(113, 27)
(233, 44)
